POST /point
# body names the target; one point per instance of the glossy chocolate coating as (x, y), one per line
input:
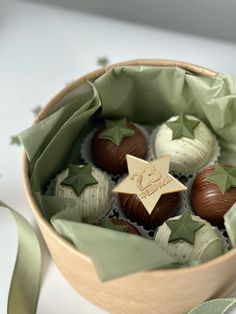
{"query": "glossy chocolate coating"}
(123, 222)
(208, 201)
(111, 157)
(166, 207)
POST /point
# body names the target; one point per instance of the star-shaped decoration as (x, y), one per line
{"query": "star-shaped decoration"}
(108, 224)
(183, 228)
(182, 127)
(116, 131)
(36, 110)
(15, 140)
(224, 177)
(149, 180)
(79, 177)
(102, 61)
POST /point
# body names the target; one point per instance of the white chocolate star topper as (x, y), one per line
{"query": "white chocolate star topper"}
(149, 180)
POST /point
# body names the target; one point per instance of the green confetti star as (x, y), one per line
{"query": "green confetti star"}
(36, 110)
(79, 178)
(183, 228)
(108, 224)
(116, 131)
(15, 140)
(103, 61)
(223, 177)
(182, 127)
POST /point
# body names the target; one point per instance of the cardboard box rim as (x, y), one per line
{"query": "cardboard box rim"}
(54, 241)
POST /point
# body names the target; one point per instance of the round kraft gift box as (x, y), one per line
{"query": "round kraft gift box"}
(173, 291)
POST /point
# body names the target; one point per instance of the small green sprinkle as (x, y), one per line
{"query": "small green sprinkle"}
(102, 61)
(15, 140)
(36, 110)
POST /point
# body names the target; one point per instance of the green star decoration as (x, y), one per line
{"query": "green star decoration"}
(116, 131)
(102, 61)
(223, 177)
(182, 127)
(79, 178)
(36, 110)
(15, 140)
(108, 224)
(183, 228)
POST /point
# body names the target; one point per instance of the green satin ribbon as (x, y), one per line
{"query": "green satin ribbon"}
(218, 306)
(24, 290)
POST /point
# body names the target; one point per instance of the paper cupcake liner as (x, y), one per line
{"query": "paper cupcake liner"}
(187, 194)
(225, 240)
(151, 152)
(215, 154)
(86, 152)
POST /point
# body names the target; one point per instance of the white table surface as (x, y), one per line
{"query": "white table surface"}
(41, 49)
